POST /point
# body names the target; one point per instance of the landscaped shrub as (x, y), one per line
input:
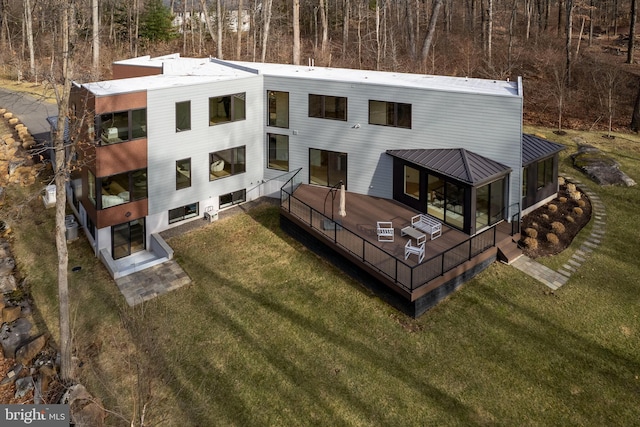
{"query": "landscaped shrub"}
(545, 217)
(531, 243)
(552, 208)
(581, 203)
(562, 199)
(571, 187)
(576, 195)
(569, 218)
(552, 238)
(578, 211)
(531, 232)
(557, 227)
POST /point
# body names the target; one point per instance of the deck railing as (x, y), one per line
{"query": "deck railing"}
(408, 277)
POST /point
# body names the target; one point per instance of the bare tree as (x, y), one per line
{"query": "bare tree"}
(345, 26)
(219, 28)
(239, 30)
(632, 31)
(95, 40)
(325, 27)
(28, 21)
(61, 177)
(207, 19)
(266, 22)
(296, 32)
(428, 40)
(568, 35)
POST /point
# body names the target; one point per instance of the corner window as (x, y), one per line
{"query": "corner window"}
(122, 126)
(278, 109)
(278, 152)
(229, 108)
(328, 107)
(122, 188)
(390, 114)
(183, 116)
(226, 163)
(91, 186)
(183, 174)
(183, 212)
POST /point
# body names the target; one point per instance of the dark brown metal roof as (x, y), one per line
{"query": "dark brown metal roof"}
(535, 148)
(457, 163)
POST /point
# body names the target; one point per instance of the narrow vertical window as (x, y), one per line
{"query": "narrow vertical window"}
(183, 116)
(278, 109)
(183, 174)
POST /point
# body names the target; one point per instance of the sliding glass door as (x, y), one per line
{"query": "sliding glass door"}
(327, 168)
(128, 238)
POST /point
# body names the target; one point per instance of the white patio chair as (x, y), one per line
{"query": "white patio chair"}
(385, 231)
(409, 249)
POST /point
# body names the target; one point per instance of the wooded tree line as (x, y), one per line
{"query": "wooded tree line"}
(560, 47)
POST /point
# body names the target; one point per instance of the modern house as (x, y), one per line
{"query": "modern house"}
(177, 139)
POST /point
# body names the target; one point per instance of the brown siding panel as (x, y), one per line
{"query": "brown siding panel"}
(125, 101)
(121, 213)
(123, 157)
(124, 71)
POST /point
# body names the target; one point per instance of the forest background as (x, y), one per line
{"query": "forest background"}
(573, 55)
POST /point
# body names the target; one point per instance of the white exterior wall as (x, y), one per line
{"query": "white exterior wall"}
(489, 125)
(166, 146)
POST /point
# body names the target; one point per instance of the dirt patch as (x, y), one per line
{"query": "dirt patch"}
(551, 228)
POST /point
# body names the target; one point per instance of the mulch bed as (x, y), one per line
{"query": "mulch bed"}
(542, 219)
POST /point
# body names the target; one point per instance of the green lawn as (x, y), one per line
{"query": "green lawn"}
(269, 334)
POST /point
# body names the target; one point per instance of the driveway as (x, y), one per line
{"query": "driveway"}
(31, 111)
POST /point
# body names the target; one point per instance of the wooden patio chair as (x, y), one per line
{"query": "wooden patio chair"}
(385, 231)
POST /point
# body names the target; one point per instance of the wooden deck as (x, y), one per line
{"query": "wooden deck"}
(314, 209)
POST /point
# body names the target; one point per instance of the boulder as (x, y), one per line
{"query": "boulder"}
(28, 351)
(12, 375)
(8, 284)
(11, 314)
(83, 408)
(5, 248)
(23, 386)
(598, 166)
(14, 335)
(7, 265)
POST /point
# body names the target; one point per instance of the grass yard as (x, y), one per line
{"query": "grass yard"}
(269, 334)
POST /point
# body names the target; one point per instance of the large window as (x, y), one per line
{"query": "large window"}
(226, 163)
(327, 168)
(278, 152)
(127, 238)
(545, 172)
(390, 114)
(446, 200)
(183, 116)
(183, 174)
(278, 109)
(412, 182)
(122, 188)
(122, 126)
(183, 212)
(328, 107)
(489, 204)
(233, 198)
(228, 108)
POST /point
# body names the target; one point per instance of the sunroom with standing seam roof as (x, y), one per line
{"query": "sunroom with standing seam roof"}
(462, 189)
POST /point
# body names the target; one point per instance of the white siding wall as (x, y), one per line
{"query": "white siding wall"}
(166, 146)
(489, 125)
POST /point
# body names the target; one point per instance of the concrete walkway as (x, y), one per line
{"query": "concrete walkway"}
(555, 279)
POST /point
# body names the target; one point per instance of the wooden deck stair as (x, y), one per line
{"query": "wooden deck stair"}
(508, 249)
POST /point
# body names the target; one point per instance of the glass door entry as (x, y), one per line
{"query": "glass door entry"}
(128, 238)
